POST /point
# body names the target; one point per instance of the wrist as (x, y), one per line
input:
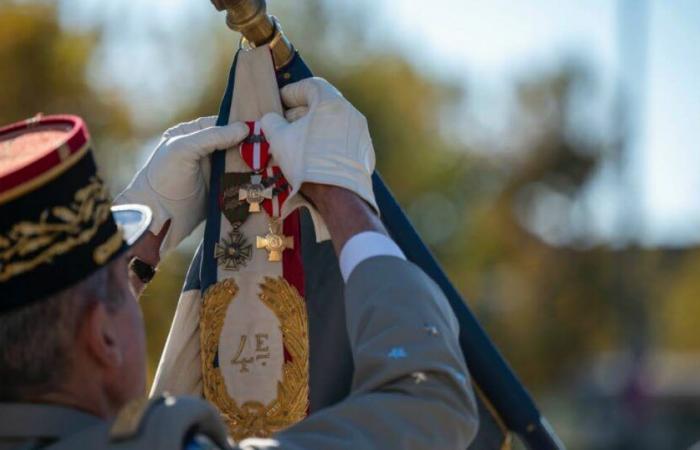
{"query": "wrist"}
(321, 195)
(344, 212)
(326, 197)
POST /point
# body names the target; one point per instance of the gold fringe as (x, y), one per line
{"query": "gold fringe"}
(507, 435)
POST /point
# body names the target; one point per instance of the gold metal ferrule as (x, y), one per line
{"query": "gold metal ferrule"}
(250, 18)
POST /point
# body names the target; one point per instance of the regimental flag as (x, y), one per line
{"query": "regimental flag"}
(260, 329)
(240, 334)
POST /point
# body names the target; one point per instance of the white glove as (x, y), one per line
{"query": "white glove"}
(330, 144)
(175, 179)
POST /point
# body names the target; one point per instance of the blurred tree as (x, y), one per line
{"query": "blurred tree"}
(677, 286)
(543, 304)
(46, 71)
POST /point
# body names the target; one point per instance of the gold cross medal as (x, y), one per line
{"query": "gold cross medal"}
(275, 242)
(255, 193)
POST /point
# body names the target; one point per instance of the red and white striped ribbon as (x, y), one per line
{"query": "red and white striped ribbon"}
(255, 150)
(273, 206)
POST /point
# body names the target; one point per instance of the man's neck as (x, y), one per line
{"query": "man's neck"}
(87, 399)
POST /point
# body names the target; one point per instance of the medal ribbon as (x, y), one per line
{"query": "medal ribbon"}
(273, 206)
(255, 151)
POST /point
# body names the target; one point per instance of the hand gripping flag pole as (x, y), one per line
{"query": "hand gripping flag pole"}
(502, 397)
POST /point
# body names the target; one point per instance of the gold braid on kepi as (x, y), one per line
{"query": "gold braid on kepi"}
(57, 225)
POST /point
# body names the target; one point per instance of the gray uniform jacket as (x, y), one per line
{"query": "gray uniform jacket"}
(411, 388)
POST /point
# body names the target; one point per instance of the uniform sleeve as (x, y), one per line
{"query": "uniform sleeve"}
(411, 387)
(364, 246)
(201, 442)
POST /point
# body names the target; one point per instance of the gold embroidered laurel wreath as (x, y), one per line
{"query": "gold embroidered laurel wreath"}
(58, 230)
(290, 406)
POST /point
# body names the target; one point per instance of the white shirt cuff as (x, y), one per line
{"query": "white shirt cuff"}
(365, 245)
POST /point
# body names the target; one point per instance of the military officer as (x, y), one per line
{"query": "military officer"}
(72, 347)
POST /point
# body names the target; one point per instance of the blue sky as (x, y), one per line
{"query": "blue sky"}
(493, 41)
(486, 45)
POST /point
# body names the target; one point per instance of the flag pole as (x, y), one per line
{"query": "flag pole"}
(250, 18)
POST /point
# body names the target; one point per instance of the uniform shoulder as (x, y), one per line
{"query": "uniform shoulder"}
(168, 422)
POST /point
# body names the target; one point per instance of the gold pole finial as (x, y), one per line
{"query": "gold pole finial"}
(250, 18)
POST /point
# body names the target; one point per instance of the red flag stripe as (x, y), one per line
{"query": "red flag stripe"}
(292, 267)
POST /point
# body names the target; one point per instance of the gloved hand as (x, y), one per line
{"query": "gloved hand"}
(175, 180)
(329, 144)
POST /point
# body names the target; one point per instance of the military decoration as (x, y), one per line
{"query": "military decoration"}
(242, 194)
(255, 193)
(234, 252)
(275, 242)
(234, 209)
(274, 178)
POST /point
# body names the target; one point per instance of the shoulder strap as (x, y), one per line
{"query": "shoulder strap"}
(163, 423)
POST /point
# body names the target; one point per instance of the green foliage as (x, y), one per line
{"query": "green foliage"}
(45, 71)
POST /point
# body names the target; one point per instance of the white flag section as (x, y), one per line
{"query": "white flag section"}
(244, 346)
(180, 369)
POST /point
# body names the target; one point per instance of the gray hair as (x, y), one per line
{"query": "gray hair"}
(36, 340)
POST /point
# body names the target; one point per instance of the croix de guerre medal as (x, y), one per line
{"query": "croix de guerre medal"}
(233, 252)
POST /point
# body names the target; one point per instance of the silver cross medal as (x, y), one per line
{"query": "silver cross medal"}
(255, 193)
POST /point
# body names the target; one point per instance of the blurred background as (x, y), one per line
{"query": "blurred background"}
(545, 149)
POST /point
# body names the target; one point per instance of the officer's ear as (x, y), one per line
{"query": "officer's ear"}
(99, 333)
